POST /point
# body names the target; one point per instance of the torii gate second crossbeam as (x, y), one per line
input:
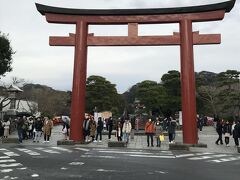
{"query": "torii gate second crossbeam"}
(185, 16)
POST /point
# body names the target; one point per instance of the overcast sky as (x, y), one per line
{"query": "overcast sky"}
(37, 62)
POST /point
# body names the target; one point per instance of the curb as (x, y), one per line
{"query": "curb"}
(117, 144)
(181, 146)
(10, 140)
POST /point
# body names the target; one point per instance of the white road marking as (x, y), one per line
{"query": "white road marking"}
(30, 152)
(22, 168)
(35, 175)
(209, 157)
(10, 165)
(47, 150)
(4, 157)
(161, 172)
(196, 154)
(105, 170)
(3, 149)
(225, 159)
(76, 163)
(62, 149)
(124, 152)
(63, 168)
(8, 153)
(152, 156)
(92, 156)
(111, 149)
(82, 149)
(7, 160)
(6, 170)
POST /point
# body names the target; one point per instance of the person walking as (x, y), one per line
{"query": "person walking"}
(99, 129)
(6, 126)
(149, 130)
(235, 134)
(19, 123)
(158, 132)
(227, 131)
(219, 129)
(110, 127)
(126, 130)
(47, 129)
(38, 125)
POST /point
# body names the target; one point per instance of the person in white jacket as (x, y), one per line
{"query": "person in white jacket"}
(126, 130)
(6, 125)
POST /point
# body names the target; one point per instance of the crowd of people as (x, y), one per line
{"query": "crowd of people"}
(28, 128)
(227, 129)
(124, 129)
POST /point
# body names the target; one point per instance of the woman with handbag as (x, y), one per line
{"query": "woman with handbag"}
(158, 132)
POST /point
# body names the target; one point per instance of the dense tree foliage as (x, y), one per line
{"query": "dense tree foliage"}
(101, 94)
(216, 94)
(6, 53)
(220, 95)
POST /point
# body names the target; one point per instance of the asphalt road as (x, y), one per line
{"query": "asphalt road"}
(74, 162)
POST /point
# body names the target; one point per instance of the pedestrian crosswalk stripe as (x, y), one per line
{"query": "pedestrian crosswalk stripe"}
(10, 165)
(82, 149)
(8, 153)
(62, 149)
(47, 150)
(28, 151)
(209, 157)
(188, 155)
(152, 156)
(225, 159)
(6, 170)
(7, 160)
(125, 152)
(4, 157)
(99, 156)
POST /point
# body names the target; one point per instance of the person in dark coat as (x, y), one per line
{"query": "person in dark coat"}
(38, 128)
(86, 128)
(99, 129)
(227, 131)
(1, 129)
(171, 130)
(19, 123)
(219, 129)
(110, 127)
(235, 132)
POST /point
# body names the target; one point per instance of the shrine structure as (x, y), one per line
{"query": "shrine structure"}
(186, 38)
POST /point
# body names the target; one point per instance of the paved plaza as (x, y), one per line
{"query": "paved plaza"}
(139, 141)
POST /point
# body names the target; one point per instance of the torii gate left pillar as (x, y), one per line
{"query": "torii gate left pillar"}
(79, 81)
(186, 39)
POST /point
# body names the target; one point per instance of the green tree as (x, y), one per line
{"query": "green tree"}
(152, 95)
(6, 53)
(172, 84)
(102, 94)
(229, 96)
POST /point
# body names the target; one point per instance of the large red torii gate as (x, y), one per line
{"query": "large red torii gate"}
(185, 16)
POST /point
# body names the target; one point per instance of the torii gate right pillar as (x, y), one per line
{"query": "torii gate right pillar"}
(188, 83)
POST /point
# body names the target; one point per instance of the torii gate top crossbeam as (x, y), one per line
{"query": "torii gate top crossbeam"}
(226, 6)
